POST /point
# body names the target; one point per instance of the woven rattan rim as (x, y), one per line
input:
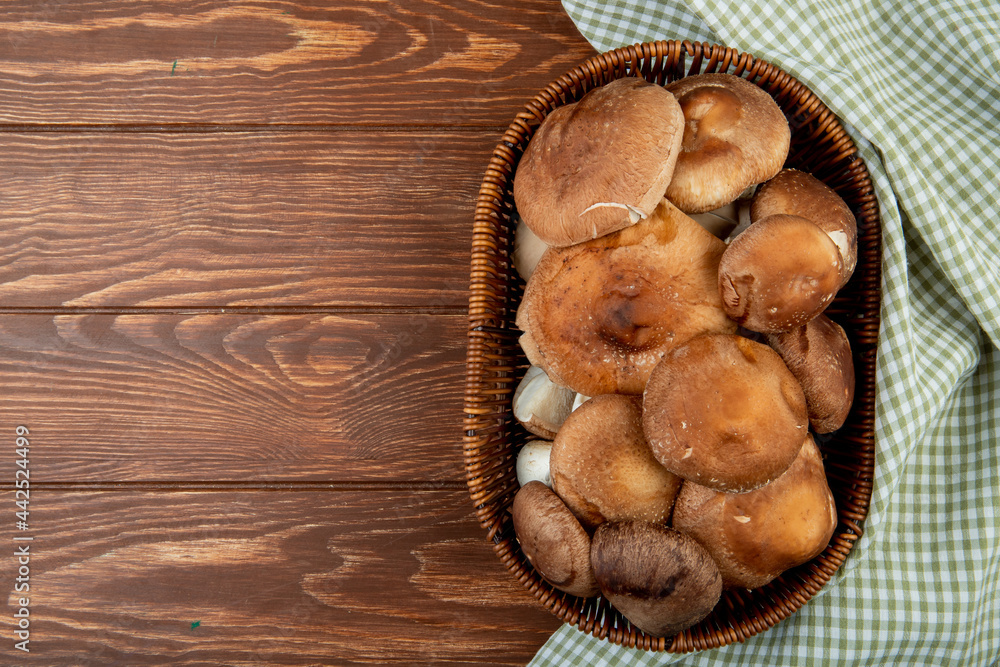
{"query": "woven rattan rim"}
(820, 145)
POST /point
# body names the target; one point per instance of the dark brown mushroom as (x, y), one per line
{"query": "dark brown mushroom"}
(659, 579)
(819, 356)
(553, 540)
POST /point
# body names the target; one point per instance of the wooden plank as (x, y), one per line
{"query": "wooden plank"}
(346, 62)
(236, 397)
(275, 578)
(238, 219)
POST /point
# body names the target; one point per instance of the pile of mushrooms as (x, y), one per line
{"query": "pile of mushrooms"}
(676, 277)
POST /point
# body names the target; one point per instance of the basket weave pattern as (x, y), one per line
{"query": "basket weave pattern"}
(495, 362)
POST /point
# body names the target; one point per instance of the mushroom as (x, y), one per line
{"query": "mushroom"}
(528, 249)
(819, 356)
(553, 540)
(779, 274)
(541, 405)
(530, 350)
(735, 136)
(721, 221)
(600, 164)
(603, 469)
(532, 463)
(729, 219)
(741, 224)
(599, 315)
(753, 537)
(794, 192)
(724, 412)
(659, 579)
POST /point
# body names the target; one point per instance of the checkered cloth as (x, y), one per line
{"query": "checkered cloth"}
(917, 85)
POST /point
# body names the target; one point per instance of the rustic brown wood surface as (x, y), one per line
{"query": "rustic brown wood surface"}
(204, 397)
(234, 246)
(215, 218)
(307, 575)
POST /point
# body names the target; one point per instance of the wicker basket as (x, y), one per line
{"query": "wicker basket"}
(495, 362)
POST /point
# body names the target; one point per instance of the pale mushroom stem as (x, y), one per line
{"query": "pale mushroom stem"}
(728, 221)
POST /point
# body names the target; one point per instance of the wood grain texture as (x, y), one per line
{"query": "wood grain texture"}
(234, 266)
(241, 397)
(238, 219)
(275, 578)
(359, 62)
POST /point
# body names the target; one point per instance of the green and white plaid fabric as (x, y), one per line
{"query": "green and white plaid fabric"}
(917, 84)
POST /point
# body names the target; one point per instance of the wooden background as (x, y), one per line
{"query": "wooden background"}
(234, 246)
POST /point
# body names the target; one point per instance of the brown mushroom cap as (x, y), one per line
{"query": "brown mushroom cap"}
(735, 136)
(530, 350)
(724, 412)
(602, 467)
(819, 356)
(553, 540)
(794, 192)
(600, 164)
(779, 274)
(659, 579)
(753, 537)
(599, 315)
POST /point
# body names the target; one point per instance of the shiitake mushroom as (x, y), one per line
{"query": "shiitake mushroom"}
(602, 466)
(819, 356)
(724, 411)
(735, 136)
(754, 537)
(779, 274)
(600, 164)
(794, 192)
(553, 540)
(658, 578)
(597, 316)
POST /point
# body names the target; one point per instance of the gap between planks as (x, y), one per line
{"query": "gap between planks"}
(334, 487)
(247, 128)
(449, 310)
